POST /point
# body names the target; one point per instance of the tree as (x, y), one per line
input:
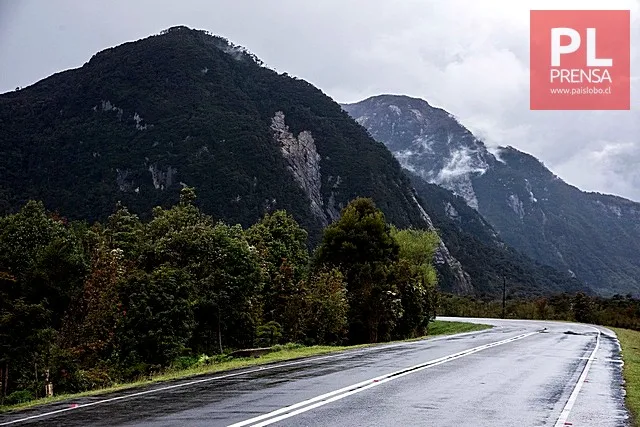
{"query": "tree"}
(326, 307)
(228, 294)
(42, 266)
(90, 326)
(281, 244)
(225, 272)
(417, 279)
(360, 245)
(157, 318)
(583, 309)
(124, 231)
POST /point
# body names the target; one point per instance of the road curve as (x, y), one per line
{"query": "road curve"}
(519, 373)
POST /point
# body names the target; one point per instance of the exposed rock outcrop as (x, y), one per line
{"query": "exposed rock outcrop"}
(303, 161)
(162, 179)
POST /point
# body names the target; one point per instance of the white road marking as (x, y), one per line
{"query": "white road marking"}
(307, 405)
(235, 374)
(564, 415)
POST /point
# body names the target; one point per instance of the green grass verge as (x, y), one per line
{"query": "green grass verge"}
(287, 352)
(630, 343)
(440, 327)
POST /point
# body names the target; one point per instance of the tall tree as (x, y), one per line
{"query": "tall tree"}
(326, 307)
(224, 269)
(157, 319)
(417, 279)
(281, 244)
(360, 244)
(42, 265)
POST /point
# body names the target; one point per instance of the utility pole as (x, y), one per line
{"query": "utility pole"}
(504, 295)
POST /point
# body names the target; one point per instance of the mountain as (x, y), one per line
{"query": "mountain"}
(483, 255)
(139, 121)
(594, 237)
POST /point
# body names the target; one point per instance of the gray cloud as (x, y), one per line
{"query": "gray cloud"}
(468, 57)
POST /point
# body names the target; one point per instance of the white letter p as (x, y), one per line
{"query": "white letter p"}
(557, 49)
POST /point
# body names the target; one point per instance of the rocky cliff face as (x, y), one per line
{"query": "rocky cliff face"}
(303, 161)
(594, 237)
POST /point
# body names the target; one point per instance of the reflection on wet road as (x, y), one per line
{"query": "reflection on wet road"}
(520, 373)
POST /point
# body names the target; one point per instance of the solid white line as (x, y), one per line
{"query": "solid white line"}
(564, 415)
(235, 374)
(307, 405)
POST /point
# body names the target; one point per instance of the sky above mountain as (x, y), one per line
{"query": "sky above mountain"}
(469, 57)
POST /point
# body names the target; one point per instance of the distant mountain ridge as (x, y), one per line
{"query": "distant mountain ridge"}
(487, 260)
(593, 236)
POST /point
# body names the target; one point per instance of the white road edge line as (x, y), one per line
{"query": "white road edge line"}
(235, 374)
(564, 415)
(307, 405)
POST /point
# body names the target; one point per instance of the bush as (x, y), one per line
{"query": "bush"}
(268, 334)
(88, 379)
(185, 362)
(19, 396)
(288, 346)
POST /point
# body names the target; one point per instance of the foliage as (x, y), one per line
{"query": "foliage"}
(282, 245)
(269, 333)
(360, 244)
(416, 280)
(19, 396)
(91, 306)
(327, 307)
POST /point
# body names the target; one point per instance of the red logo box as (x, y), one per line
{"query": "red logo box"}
(579, 60)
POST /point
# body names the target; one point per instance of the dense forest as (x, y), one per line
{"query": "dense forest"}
(84, 306)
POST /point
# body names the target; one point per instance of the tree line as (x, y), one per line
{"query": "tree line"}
(86, 306)
(622, 311)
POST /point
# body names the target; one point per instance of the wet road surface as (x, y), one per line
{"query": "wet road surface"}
(520, 373)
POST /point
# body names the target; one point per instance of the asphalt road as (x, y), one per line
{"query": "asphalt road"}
(520, 373)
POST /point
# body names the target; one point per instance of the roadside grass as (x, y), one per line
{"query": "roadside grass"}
(442, 327)
(281, 353)
(630, 343)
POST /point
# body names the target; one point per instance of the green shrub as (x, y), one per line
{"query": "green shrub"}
(287, 346)
(19, 396)
(185, 362)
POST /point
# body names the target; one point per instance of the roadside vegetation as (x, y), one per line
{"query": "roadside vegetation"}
(85, 307)
(618, 311)
(202, 365)
(630, 343)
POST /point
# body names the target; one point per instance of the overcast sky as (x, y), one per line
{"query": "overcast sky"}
(467, 56)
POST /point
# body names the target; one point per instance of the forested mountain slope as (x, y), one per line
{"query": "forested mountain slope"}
(139, 121)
